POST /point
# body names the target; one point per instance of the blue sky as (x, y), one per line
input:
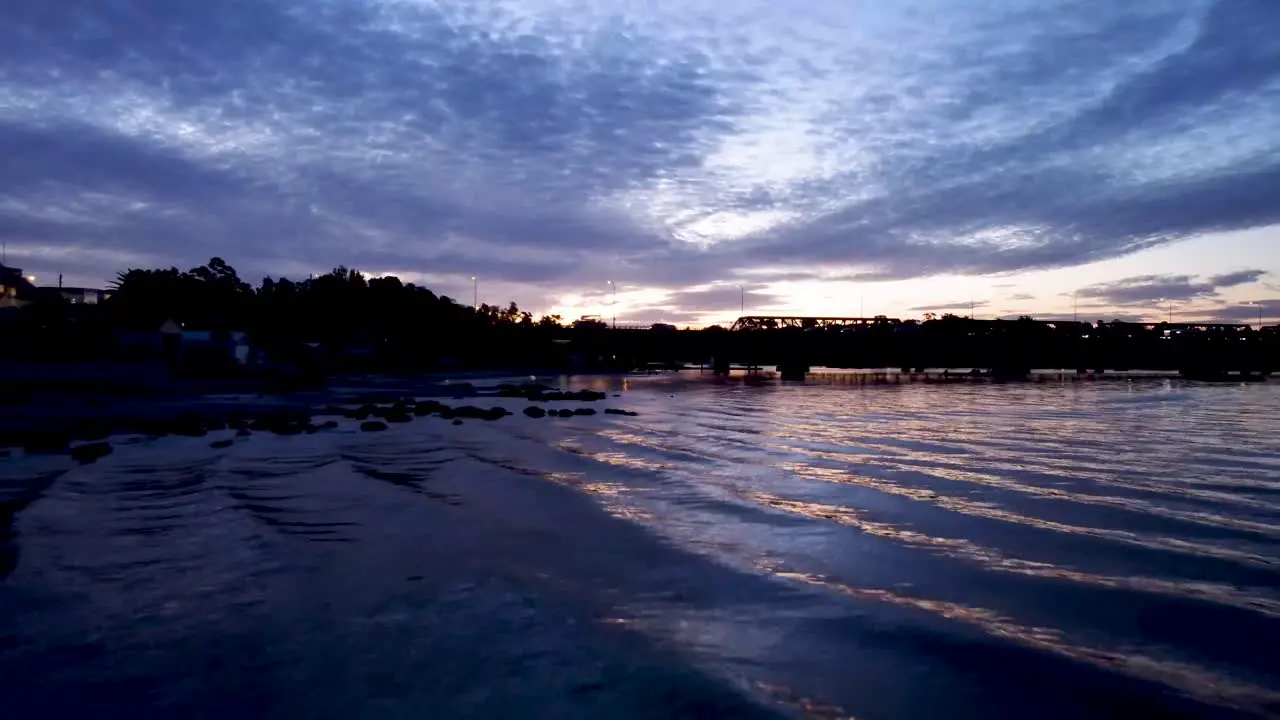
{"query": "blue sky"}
(803, 156)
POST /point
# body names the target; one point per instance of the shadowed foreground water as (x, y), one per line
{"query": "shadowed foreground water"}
(821, 550)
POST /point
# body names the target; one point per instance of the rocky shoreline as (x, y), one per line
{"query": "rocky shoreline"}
(86, 439)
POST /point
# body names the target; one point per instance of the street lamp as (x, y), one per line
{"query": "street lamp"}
(614, 285)
(1259, 306)
(1163, 300)
(475, 294)
(742, 301)
(31, 279)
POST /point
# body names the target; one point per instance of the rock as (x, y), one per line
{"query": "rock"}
(564, 413)
(534, 411)
(616, 411)
(430, 407)
(470, 411)
(524, 390)
(328, 425)
(220, 444)
(243, 432)
(238, 424)
(457, 422)
(397, 417)
(373, 426)
(580, 395)
(584, 411)
(90, 452)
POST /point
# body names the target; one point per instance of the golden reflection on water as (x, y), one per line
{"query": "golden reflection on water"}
(993, 560)
(993, 512)
(1187, 679)
(807, 707)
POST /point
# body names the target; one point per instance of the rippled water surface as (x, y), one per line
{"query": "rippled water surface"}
(831, 549)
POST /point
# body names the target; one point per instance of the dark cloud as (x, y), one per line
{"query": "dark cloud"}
(1248, 314)
(663, 145)
(1242, 277)
(723, 299)
(1154, 288)
(950, 306)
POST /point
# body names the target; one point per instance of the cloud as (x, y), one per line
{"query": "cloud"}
(723, 299)
(666, 144)
(1154, 288)
(1022, 296)
(1243, 277)
(950, 306)
(1248, 314)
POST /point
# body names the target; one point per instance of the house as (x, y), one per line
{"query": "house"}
(15, 288)
(83, 296)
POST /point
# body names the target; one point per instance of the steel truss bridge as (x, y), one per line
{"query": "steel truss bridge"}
(781, 322)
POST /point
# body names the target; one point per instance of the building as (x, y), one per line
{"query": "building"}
(83, 296)
(15, 288)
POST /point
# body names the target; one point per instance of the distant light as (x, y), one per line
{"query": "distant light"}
(31, 278)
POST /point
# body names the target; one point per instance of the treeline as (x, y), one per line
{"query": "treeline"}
(343, 311)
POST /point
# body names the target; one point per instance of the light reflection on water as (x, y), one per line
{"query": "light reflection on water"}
(831, 549)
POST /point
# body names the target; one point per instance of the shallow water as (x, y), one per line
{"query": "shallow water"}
(831, 549)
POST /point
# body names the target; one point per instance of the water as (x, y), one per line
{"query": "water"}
(822, 550)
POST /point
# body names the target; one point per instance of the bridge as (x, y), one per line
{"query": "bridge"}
(1008, 347)
(785, 322)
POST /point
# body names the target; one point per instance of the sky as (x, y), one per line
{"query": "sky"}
(662, 160)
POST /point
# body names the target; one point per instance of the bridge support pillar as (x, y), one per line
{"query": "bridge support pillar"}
(793, 371)
(720, 365)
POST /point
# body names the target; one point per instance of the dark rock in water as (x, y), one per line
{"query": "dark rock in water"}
(357, 415)
(243, 432)
(457, 422)
(90, 452)
(288, 428)
(542, 393)
(238, 424)
(398, 417)
(429, 407)
(215, 424)
(535, 412)
(328, 425)
(617, 411)
(584, 411)
(564, 413)
(332, 410)
(373, 426)
(470, 411)
(524, 390)
(220, 444)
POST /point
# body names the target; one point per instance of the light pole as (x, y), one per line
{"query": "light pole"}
(1259, 306)
(742, 301)
(614, 285)
(475, 294)
(1075, 306)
